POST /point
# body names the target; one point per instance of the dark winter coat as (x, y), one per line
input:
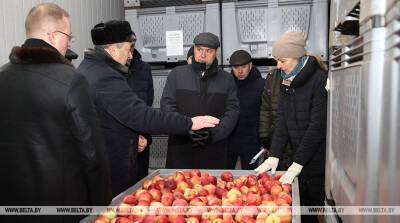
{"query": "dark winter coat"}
(268, 116)
(122, 114)
(188, 92)
(51, 148)
(302, 120)
(141, 81)
(249, 93)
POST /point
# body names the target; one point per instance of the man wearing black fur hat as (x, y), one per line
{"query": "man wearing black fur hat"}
(244, 141)
(201, 88)
(51, 147)
(121, 112)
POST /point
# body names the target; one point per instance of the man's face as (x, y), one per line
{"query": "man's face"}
(121, 52)
(62, 37)
(287, 65)
(204, 54)
(241, 72)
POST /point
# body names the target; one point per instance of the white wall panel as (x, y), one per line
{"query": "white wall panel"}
(84, 15)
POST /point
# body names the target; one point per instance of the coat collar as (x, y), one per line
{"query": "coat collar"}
(308, 70)
(100, 54)
(211, 71)
(36, 51)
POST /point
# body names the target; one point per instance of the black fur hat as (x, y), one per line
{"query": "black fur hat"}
(113, 31)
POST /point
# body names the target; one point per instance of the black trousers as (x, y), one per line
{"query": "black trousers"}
(245, 151)
(143, 164)
(312, 193)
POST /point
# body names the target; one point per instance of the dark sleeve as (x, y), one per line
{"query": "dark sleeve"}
(84, 126)
(280, 136)
(168, 98)
(316, 131)
(265, 111)
(122, 103)
(150, 87)
(229, 119)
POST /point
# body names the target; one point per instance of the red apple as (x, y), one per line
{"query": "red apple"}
(102, 219)
(180, 202)
(220, 192)
(272, 219)
(229, 185)
(189, 194)
(221, 184)
(182, 185)
(285, 196)
(196, 202)
(147, 184)
(170, 184)
(155, 194)
(179, 176)
(213, 180)
(195, 180)
(192, 220)
(195, 173)
(276, 189)
(253, 199)
(145, 196)
(267, 197)
(287, 188)
(233, 195)
(177, 219)
(123, 220)
(167, 199)
(244, 189)
(251, 180)
(178, 194)
(227, 176)
(211, 188)
(130, 199)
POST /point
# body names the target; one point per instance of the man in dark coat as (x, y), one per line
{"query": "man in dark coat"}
(201, 88)
(302, 116)
(122, 114)
(51, 148)
(141, 82)
(244, 141)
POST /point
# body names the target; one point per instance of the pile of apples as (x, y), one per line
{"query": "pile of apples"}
(202, 198)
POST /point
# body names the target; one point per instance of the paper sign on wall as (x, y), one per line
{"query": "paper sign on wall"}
(174, 42)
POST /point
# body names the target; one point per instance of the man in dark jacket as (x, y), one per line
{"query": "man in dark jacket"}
(51, 148)
(141, 82)
(201, 88)
(244, 140)
(121, 112)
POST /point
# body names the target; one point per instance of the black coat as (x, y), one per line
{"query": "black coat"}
(302, 117)
(122, 114)
(249, 93)
(51, 148)
(141, 81)
(188, 92)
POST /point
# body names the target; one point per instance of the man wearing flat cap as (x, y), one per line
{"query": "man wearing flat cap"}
(122, 114)
(244, 140)
(201, 88)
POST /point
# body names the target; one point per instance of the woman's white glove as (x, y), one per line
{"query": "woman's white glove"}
(270, 164)
(292, 172)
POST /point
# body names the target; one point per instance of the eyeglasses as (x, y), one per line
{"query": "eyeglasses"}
(71, 38)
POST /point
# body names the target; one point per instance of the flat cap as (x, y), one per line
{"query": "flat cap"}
(113, 31)
(207, 39)
(239, 57)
